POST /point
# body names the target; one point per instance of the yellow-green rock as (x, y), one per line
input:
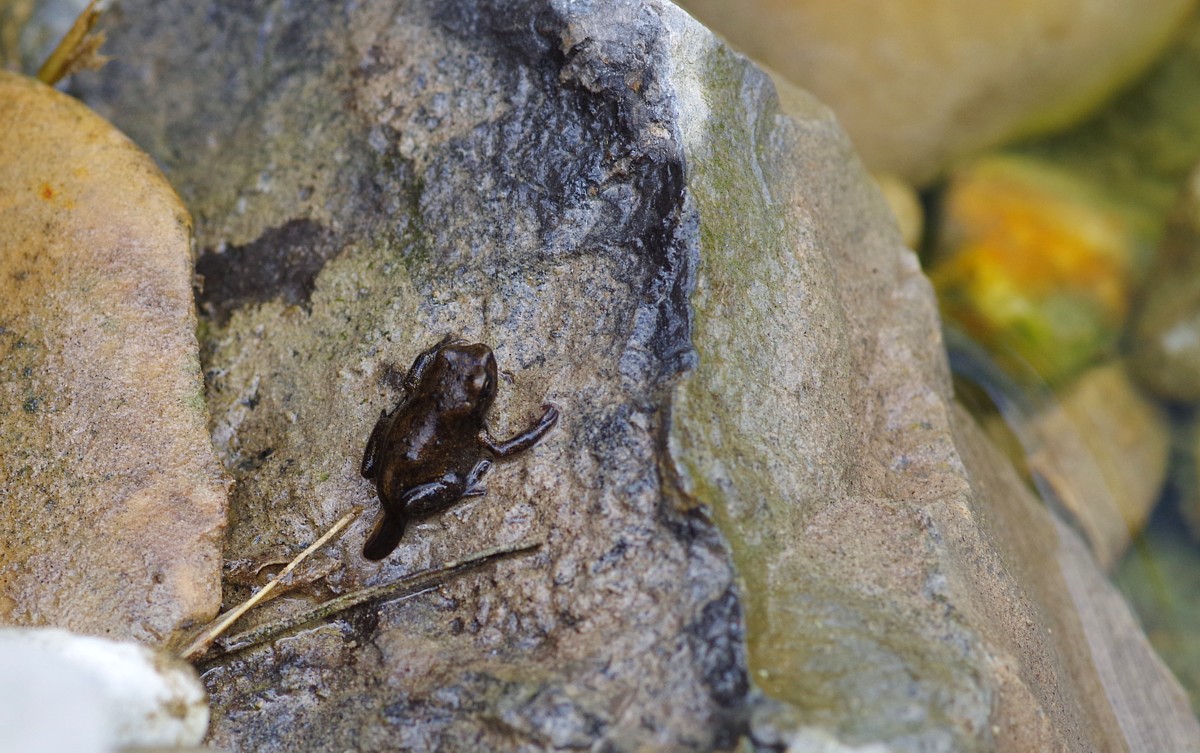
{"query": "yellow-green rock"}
(1035, 265)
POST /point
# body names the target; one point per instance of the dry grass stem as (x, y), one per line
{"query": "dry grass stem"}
(215, 629)
(77, 50)
(404, 588)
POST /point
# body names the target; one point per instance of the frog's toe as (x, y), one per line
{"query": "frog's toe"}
(477, 473)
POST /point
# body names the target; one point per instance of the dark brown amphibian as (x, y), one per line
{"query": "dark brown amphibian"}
(433, 448)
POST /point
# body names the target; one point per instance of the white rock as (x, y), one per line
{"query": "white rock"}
(65, 692)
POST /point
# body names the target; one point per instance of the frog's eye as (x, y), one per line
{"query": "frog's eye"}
(489, 385)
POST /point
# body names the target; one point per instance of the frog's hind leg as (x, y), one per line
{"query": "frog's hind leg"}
(369, 464)
(431, 498)
(384, 538)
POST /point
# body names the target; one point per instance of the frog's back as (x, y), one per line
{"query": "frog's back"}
(416, 450)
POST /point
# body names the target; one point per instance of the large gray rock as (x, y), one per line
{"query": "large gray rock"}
(746, 359)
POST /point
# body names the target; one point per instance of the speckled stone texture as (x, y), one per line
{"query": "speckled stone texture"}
(363, 184)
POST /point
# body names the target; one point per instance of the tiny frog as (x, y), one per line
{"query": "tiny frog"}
(432, 450)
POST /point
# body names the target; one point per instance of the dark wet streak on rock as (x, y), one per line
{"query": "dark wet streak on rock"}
(282, 263)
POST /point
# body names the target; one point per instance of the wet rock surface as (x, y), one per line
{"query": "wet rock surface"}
(745, 356)
(900, 585)
(511, 174)
(111, 499)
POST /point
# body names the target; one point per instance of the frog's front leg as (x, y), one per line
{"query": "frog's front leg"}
(525, 439)
(475, 479)
(421, 363)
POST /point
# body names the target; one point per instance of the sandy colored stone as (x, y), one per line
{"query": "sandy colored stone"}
(111, 499)
(906, 207)
(1152, 708)
(1139, 147)
(1102, 451)
(919, 84)
(1090, 618)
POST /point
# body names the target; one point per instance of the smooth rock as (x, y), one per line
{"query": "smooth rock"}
(111, 498)
(63, 692)
(1165, 338)
(1141, 147)
(919, 85)
(906, 207)
(1102, 451)
(756, 411)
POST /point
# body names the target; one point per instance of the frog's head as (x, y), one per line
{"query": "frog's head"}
(466, 380)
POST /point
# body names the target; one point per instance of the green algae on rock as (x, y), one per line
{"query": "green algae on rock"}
(835, 473)
(111, 499)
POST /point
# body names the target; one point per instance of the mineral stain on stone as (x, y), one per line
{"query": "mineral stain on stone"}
(718, 639)
(282, 263)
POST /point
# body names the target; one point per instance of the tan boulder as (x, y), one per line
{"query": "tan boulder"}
(111, 498)
(918, 84)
